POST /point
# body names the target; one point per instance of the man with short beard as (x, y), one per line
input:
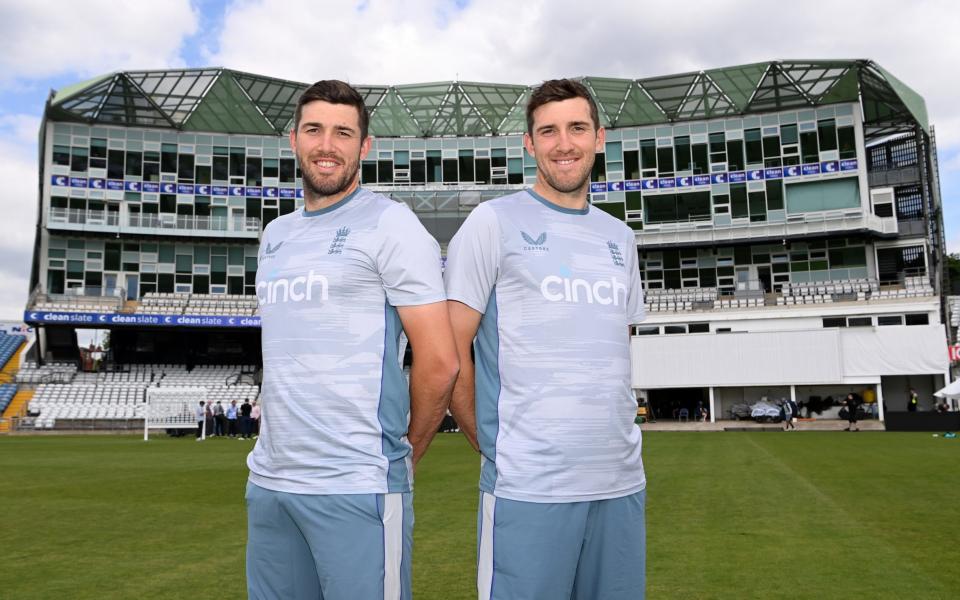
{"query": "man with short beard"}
(549, 286)
(329, 497)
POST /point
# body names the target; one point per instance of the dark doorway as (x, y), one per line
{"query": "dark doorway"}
(679, 404)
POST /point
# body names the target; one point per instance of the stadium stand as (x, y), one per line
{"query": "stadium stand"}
(197, 304)
(7, 391)
(31, 373)
(9, 344)
(163, 303)
(119, 396)
(221, 304)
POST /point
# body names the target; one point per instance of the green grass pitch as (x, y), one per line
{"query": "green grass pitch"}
(827, 515)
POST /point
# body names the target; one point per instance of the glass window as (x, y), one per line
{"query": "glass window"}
(271, 168)
(98, 148)
(665, 161)
(435, 166)
(827, 134)
(61, 155)
(775, 194)
(788, 134)
(735, 160)
(754, 146)
(184, 263)
(758, 206)
(165, 253)
(465, 165)
(418, 171)
(834, 322)
(917, 319)
(221, 171)
(681, 151)
(648, 154)
(738, 200)
(168, 203)
(185, 168)
(115, 164)
(661, 208)
(701, 162)
(203, 174)
(599, 169)
(78, 159)
(860, 322)
(288, 170)
(237, 162)
(631, 164)
(809, 151)
(168, 158)
(368, 171)
(483, 170)
(890, 320)
(385, 171)
(718, 151)
(847, 142)
(771, 146)
(254, 169)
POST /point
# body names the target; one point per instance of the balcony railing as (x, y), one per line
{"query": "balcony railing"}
(190, 225)
(701, 231)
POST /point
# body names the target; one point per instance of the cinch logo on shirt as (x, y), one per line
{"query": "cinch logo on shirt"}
(565, 289)
(296, 289)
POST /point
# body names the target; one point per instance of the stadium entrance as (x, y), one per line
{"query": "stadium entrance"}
(679, 404)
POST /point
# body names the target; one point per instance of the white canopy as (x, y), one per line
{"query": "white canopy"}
(951, 391)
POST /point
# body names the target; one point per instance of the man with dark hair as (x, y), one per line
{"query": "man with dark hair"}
(329, 497)
(546, 287)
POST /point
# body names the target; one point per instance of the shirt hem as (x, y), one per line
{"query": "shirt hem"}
(420, 301)
(542, 499)
(287, 487)
(456, 297)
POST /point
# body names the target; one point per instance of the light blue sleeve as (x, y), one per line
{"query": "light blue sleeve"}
(636, 309)
(473, 259)
(408, 259)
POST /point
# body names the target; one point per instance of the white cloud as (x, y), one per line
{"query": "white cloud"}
(43, 38)
(509, 42)
(18, 172)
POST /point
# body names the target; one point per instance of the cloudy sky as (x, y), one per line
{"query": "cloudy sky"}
(47, 44)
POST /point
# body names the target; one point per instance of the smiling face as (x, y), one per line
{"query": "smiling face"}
(329, 147)
(564, 142)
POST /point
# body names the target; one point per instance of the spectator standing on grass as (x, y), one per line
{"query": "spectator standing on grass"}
(790, 412)
(330, 491)
(255, 419)
(232, 418)
(852, 403)
(219, 419)
(549, 286)
(201, 416)
(208, 417)
(913, 401)
(245, 411)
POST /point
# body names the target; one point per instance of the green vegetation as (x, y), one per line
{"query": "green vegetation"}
(730, 515)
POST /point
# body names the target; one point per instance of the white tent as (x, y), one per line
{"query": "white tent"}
(951, 391)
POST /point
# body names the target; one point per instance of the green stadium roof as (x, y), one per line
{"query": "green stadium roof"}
(224, 101)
